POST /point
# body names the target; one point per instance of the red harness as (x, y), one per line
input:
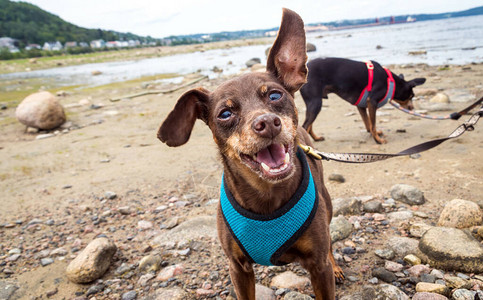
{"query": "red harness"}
(391, 87)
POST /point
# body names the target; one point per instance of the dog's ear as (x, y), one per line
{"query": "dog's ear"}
(288, 56)
(401, 76)
(176, 129)
(417, 81)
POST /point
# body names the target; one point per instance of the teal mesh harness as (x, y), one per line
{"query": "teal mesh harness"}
(264, 238)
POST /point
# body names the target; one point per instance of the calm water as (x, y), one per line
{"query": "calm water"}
(449, 41)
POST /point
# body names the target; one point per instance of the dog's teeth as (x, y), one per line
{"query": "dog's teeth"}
(265, 167)
(254, 157)
(287, 158)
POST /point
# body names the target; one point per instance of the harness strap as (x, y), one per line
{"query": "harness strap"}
(391, 88)
(362, 100)
(373, 157)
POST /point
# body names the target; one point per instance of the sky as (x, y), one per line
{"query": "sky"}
(162, 18)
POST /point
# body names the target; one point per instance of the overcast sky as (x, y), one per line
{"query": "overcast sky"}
(162, 18)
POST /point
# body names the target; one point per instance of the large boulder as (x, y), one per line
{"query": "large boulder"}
(92, 262)
(451, 249)
(40, 110)
(460, 213)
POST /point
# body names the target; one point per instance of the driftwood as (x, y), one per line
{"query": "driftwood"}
(159, 91)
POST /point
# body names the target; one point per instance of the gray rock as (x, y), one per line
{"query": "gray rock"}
(463, 294)
(289, 280)
(201, 226)
(461, 95)
(251, 62)
(150, 263)
(418, 229)
(340, 228)
(92, 262)
(373, 207)
(337, 178)
(311, 47)
(346, 206)
(40, 110)
(407, 194)
(451, 249)
(428, 296)
(131, 295)
(384, 275)
(7, 289)
(460, 213)
(383, 291)
(296, 296)
(402, 246)
(399, 216)
(46, 261)
(175, 293)
(110, 195)
(385, 253)
(262, 292)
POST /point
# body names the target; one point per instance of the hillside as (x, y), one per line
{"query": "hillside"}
(30, 24)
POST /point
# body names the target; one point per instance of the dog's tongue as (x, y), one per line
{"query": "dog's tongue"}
(273, 156)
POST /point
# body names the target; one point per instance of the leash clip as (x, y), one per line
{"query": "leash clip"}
(310, 151)
(468, 127)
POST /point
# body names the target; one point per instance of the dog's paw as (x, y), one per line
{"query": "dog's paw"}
(339, 275)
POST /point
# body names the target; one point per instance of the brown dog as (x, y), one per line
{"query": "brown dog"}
(267, 178)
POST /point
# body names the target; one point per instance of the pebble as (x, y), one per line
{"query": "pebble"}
(337, 178)
(340, 228)
(412, 259)
(432, 288)
(289, 280)
(92, 262)
(385, 253)
(110, 195)
(384, 275)
(373, 207)
(170, 272)
(295, 296)
(15, 251)
(417, 270)
(150, 263)
(46, 261)
(131, 295)
(393, 266)
(407, 194)
(428, 296)
(403, 246)
(144, 225)
(463, 294)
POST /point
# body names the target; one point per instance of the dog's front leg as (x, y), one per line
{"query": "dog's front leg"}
(372, 118)
(365, 119)
(243, 279)
(322, 279)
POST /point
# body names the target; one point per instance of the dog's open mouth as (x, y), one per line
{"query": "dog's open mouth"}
(273, 162)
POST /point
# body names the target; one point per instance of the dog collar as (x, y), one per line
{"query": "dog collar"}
(264, 238)
(391, 88)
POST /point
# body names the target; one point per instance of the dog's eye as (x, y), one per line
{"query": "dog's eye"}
(224, 115)
(274, 96)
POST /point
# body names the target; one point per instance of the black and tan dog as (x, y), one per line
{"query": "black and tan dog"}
(364, 84)
(274, 207)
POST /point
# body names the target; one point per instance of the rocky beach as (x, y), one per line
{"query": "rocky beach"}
(98, 208)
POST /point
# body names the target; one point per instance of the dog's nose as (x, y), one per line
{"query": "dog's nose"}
(267, 125)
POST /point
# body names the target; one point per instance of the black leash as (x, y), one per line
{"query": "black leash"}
(373, 157)
(452, 116)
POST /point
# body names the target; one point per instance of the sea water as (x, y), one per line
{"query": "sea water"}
(438, 42)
